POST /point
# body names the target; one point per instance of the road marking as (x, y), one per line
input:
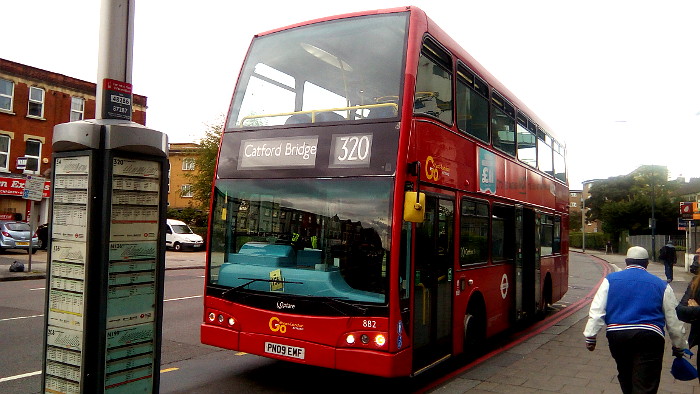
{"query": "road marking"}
(24, 375)
(241, 354)
(33, 316)
(21, 317)
(182, 298)
(38, 288)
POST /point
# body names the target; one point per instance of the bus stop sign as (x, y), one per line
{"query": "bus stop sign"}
(117, 100)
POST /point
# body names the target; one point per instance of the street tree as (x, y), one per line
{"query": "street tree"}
(205, 163)
(624, 203)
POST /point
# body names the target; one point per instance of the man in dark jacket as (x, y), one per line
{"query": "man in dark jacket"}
(667, 255)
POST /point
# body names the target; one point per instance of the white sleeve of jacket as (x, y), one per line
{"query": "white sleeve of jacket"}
(596, 315)
(675, 327)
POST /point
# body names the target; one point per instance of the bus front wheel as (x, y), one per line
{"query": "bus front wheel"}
(474, 333)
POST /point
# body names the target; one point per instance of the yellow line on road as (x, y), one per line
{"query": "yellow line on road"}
(168, 370)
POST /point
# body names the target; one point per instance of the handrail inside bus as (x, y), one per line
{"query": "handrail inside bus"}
(317, 111)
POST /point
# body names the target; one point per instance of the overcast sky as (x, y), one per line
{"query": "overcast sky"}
(618, 81)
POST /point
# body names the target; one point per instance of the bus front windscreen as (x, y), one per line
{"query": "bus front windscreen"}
(347, 69)
(314, 238)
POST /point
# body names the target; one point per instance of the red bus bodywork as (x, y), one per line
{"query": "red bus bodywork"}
(449, 173)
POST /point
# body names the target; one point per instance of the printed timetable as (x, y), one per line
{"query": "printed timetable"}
(67, 275)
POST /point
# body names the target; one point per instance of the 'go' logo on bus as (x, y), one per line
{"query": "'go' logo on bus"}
(431, 170)
(276, 326)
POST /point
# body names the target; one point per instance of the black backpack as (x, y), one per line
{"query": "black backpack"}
(662, 252)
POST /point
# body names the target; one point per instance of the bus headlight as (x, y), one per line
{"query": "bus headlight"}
(364, 340)
(380, 340)
(222, 319)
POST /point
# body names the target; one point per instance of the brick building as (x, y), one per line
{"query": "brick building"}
(182, 158)
(576, 204)
(32, 102)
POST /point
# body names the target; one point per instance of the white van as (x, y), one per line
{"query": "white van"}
(179, 236)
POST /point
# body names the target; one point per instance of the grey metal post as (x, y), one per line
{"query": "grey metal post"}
(116, 46)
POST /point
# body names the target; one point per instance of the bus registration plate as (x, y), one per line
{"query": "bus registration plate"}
(284, 350)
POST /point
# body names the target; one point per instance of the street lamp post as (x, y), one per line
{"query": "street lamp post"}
(583, 223)
(653, 219)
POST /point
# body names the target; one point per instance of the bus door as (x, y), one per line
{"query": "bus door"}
(527, 263)
(432, 289)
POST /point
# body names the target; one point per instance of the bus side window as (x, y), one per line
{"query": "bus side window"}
(502, 236)
(474, 232)
(472, 106)
(550, 235)
(433, 96)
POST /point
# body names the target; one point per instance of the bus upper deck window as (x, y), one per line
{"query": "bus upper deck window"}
(433, 95)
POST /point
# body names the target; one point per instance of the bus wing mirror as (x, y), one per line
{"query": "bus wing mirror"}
(414, 207)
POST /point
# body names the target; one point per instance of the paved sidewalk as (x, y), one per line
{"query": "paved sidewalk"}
(173, 260)
(556, 359)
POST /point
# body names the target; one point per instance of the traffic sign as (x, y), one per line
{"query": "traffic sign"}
(33, 188)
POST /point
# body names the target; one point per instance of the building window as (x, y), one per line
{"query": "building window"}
(4, 152)
(33, 154)
(188, 164)
(36, 102)
(77, 109)
(7, 90)
(186, 191)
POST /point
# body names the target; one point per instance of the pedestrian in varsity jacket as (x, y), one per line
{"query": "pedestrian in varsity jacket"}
(635, 307)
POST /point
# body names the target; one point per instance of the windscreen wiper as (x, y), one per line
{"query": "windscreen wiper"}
(253, 280)
(341, 300)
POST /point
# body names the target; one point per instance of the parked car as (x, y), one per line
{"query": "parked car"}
(179, 236)
(42, 232)
(17, 235)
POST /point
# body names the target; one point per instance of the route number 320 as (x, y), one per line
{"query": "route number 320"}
(354, 148)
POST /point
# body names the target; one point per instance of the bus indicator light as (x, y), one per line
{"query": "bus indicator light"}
(350, 339)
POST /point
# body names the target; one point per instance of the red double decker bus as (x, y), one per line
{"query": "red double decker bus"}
(381, 202)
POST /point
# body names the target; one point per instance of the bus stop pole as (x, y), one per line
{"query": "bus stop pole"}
(115, 56)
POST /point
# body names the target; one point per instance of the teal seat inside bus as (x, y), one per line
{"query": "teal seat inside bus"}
(259, 253)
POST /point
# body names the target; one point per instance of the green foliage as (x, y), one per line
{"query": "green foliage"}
(205, 163)
(195, 218)
(574, 220)
(625, 202)
(593, 240)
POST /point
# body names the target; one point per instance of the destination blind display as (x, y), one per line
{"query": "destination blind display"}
(347, 150)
